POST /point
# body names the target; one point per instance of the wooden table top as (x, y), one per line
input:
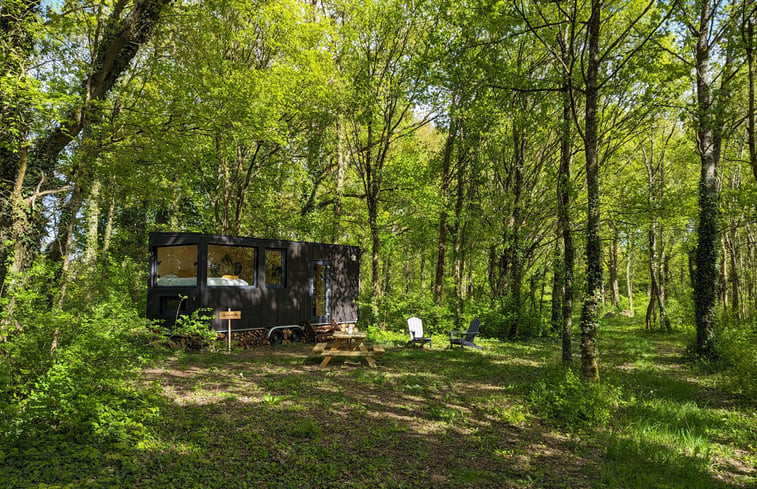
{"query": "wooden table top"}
(346, 335)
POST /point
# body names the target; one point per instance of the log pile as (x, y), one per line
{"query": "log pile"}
(245, 339)
(251, 339)
(187, 343)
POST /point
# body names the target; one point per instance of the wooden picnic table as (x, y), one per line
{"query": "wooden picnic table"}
(347, 345)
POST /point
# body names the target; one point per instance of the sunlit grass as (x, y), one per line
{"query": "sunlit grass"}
(425, 418)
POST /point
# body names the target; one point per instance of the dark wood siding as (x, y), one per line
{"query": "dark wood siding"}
(261, 306)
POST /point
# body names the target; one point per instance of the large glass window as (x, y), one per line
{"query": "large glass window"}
(275, 268)
(177, 266)
(231, 265)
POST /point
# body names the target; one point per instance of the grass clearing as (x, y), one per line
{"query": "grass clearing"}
(270, 417)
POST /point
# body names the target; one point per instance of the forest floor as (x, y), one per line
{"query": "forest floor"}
(271, 417)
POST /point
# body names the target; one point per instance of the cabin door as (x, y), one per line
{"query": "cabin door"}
(320, 292)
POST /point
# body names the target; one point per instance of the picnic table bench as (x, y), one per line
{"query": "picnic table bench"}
(347, 345)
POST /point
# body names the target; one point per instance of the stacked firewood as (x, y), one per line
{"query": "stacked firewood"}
(250, 339)
(187, 343)
(245, 339)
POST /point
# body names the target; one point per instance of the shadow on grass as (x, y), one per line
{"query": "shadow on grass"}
(423, 418)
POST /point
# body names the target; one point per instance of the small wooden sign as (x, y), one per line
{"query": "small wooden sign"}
(229, 314)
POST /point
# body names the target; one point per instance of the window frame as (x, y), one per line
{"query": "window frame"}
(255, 259)
(196, 264)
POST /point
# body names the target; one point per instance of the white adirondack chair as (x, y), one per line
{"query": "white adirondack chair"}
(415, 328)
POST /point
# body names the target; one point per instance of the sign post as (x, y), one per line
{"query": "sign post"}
(229, 315)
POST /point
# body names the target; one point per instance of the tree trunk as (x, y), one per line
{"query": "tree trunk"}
(65, 239)
(108, 232)
(629, 274)
(442, 243)
(92, 220)
(422, 272)
(592, 300)
(708, 145)
(747, 34)
(563, 200)
(558, 282)
(652, 235)
(341, 164)
(173, 214)
(491, 273)
(459, 241)
(730, 250)
(664, 318)
(614, 290)
(408, 272)
(20, 226)
(516, 260)
(654, 163)
(18, 22)
(375, 258)
(20, 220)
(387, 285)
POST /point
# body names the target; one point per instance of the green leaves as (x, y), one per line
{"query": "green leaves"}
(570, 401)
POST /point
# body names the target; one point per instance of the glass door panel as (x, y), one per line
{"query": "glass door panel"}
(319, 292)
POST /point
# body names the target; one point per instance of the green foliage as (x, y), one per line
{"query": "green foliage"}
(192, 331)
(386, 337)
(67, 374)
(82, 388)
(736, 353)
(397, 309)
(567, 400)
(498, 319)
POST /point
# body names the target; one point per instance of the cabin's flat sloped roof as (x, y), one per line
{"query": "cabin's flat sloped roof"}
(160, 237)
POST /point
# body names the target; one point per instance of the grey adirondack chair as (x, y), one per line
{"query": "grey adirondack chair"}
(465, 338)
(415, 328)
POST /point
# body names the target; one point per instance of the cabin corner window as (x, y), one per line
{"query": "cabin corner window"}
(177, 266)
(275, 268)
(232, 266)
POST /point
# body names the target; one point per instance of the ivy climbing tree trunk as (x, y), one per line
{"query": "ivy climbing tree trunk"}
(18, 21)
(564, 189)
(747, 34)
(124, 33)
(706, 276)
(592, 300)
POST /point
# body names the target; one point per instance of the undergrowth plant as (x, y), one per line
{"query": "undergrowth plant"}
(567, 400)
(735, 347)
(192, 331)
(67, 373)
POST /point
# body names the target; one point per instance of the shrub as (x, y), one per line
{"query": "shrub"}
(83, 388)
(737, 357)
(394, 311)
(567, 400)
(69, 373)
(193, 331)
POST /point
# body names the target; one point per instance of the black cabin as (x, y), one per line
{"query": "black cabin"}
(275, 284)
